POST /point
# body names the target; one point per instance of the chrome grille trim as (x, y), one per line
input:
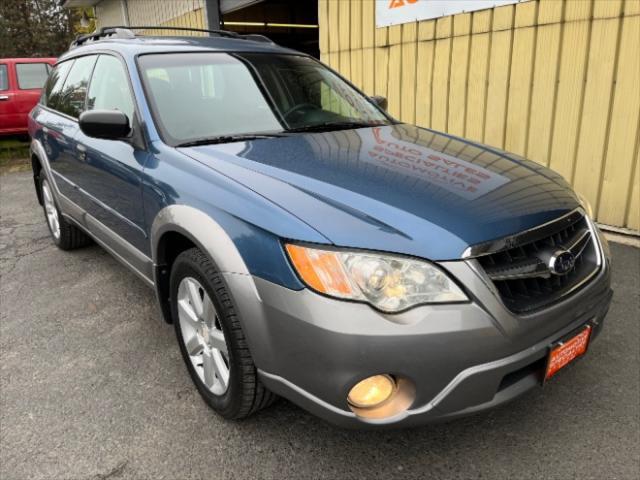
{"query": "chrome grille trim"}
(531, 235)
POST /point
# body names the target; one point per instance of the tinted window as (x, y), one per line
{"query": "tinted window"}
(31, 75)
(74, 91)
(4, 78)
(53, 88)
(109, 88)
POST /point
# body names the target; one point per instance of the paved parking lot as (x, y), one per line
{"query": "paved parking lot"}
(93, 387)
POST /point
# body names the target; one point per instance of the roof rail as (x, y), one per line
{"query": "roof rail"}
(105, 32)
(127, 32)
(256, 37)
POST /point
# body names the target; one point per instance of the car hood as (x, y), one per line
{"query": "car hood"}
(396, 188)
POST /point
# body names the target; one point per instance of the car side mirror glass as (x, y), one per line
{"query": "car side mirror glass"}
(380, 101)
(105, 124)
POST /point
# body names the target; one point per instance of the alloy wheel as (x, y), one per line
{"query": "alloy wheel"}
(50, 210)
(203, 336)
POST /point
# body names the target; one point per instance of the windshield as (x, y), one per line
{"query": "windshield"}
(200, 96)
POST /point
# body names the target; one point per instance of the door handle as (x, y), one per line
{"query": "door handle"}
(4, 97)
(82, 152)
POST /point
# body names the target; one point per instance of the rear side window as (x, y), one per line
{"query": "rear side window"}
(53, 88)
(31, 75)
(4, 78)
(74, 92)
(109, 88)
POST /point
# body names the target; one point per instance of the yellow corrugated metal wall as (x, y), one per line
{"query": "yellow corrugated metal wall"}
(170, 13)
(173, 13)
(555, 81)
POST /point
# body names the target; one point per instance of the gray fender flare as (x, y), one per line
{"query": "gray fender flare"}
(203, 230)
(208, 236)
(38, 150)
(213, 240)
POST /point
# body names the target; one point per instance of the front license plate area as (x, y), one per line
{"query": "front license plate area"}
(565, 352)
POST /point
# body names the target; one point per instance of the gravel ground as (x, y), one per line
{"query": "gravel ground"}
(93, 387)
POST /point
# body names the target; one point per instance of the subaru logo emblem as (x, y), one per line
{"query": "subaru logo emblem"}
(561, 262)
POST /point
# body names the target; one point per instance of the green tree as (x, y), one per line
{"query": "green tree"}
(36, 28)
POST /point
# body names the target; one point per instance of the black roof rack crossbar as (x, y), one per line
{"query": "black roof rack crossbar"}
(127, 32)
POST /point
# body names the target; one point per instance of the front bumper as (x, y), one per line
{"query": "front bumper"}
(460, 358)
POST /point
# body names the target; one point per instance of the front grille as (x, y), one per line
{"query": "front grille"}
(525, 273)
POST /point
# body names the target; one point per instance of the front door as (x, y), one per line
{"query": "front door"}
(109, 171)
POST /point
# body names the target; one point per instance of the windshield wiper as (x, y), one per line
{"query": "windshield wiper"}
(228, 139)
(329, 126)
(318, 127)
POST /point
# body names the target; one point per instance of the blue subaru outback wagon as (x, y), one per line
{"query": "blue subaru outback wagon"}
(304, 243)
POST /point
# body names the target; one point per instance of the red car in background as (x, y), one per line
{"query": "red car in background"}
(21, 80)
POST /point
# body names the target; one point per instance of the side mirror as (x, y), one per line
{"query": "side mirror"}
(107, 124)
(380, 101)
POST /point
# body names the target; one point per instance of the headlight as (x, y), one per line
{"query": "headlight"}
(585, 204)
(387, 282)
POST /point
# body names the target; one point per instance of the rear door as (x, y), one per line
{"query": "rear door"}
(56, 130)
(64, 99)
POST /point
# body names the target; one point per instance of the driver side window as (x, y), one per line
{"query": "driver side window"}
(310, 85)
(333, 101)
(109, 88)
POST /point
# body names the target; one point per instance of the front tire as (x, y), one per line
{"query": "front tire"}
(65, 235)
(211, 339)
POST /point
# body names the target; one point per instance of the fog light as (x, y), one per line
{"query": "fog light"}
(372, 391)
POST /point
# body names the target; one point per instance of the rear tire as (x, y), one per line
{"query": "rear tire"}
(65, 235)
(211, 337)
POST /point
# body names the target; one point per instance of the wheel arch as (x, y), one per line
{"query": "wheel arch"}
(36, 167)
(40, 166)
(177, 228)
